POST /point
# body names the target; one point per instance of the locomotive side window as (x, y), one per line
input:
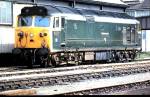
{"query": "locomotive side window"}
(56, 22)
(124, 31)
(133, 36)
(62, 22)
(41, 21)
(25, 21)
(128, 36)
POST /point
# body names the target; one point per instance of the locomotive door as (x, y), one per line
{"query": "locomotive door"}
(56, 32)
(90, 29)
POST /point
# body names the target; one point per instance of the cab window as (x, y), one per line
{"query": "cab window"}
(41, 21)
(62, 22)
(25, 21)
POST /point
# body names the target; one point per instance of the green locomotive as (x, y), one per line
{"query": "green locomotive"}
(80, 35)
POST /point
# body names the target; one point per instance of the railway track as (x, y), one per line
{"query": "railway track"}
(112, 89)
(8, 69)
(14, 71)
(90, 87)
(58, 76)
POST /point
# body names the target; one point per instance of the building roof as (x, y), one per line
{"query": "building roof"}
(144, 5)
(132, 2)
(134, 7)
(111, 1)
(116, 3)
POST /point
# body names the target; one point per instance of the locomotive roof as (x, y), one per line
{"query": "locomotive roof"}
(84, 12)
(81, 14)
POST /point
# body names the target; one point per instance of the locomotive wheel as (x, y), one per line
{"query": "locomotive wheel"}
(44, 62)
(43, 65)
(53, 61)
(49, 64)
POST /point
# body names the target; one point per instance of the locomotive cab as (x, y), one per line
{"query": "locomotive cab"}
(32, 36)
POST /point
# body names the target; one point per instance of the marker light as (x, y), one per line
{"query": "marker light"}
(31, 35)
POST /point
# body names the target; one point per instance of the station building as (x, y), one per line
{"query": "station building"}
(9, 9)
(142, 12)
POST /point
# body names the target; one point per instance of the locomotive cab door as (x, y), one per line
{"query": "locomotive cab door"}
(58, 36)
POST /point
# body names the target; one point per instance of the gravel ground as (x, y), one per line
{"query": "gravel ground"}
(144, 91)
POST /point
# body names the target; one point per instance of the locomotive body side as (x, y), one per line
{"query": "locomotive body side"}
(98, 35)
(92, 40)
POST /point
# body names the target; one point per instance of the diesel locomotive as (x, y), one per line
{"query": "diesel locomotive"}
(56, 35)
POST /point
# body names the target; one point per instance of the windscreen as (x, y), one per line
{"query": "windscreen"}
(41, 21)
(25, 21)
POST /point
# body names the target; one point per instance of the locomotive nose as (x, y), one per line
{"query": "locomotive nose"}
(32, 38)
